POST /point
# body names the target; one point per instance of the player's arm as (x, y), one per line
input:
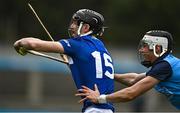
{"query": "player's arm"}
(39, 45)
(130, 93)
(124, 95)
(129, 78)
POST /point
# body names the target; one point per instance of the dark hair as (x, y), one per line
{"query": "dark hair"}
(161, 33)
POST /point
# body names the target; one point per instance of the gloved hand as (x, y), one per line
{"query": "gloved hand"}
(21, 50)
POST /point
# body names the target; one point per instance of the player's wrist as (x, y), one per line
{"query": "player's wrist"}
(102, 99)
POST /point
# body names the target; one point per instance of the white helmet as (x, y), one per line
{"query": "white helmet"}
(153, 38)
(152, 41)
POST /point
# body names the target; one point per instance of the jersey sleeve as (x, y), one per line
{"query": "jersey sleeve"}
(160, 71)
(70, 46)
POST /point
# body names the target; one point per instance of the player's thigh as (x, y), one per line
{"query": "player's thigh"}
(97, 110)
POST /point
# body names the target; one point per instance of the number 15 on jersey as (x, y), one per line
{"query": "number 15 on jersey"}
(99, 66)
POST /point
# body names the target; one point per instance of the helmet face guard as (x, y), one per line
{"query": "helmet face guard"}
(151, 42)
(143, 56)
(73, 31)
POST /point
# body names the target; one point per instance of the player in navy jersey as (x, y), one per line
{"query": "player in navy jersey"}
(155, 51)
(89, 61)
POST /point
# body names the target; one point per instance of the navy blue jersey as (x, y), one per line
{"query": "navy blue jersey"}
(161, 70)
(90, 63)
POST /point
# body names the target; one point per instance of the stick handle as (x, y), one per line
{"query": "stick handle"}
(46, 56)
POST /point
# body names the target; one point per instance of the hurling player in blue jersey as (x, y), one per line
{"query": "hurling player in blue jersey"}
(155, 51)
(89, 61)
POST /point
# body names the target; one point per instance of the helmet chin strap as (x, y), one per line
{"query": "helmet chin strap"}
(86, 33)
(158, 55)
(79, 30)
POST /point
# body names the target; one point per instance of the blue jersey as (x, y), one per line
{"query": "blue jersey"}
(167, 70)
(90, 63)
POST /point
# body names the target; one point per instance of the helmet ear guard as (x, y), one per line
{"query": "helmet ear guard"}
(163, 50)
(79, 30)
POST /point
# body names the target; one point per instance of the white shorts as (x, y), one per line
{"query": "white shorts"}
(97, 110)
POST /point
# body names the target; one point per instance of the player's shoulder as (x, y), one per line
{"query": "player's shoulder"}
(161, 67)
(161, 64)
(75, 40)
(172, 59)
(161, 70)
